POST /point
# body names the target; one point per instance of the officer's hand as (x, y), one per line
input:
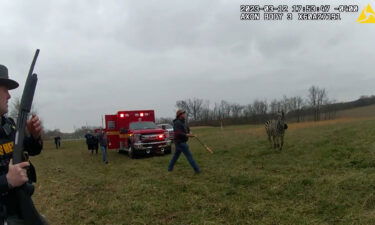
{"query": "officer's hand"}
(17, 175)
(34, 126)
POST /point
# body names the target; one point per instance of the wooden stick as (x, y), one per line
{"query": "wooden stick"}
(205, 146)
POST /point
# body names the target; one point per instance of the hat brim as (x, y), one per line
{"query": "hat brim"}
(180, 113)
(9, 83)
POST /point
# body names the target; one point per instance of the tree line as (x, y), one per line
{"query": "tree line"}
(78, 133)
(316, 106)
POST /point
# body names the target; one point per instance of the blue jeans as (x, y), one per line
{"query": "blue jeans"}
(104, 153)
(184, 148)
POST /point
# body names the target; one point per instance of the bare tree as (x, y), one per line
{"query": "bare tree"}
(195, 105)
(286, 104)
(292, 104)
(225, 109)
(217, 114)
(192, 107)
(274, 106)
(299, 104)
(248, 111)
(260, 110)
(316, 99)
(205, 113)
(236, 110)
(260, 107)
(322, 99)
(164, 120)
(313, 100)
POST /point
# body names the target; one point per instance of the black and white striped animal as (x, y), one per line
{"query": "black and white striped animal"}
(275, 130)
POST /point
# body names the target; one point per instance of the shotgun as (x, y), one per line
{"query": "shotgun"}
(28, 211)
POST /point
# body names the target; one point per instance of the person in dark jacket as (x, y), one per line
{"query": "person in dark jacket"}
(102, 138)
(12, 176)
(181, 136)
(91, 141)
(57, 142)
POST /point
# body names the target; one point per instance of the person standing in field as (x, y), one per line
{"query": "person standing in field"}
(181, 136)
(90, 142)
(57, 142)
(102, 138)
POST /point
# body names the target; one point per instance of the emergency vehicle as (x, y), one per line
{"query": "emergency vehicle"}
(136, 133)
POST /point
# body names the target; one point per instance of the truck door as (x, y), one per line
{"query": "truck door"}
(112, 131)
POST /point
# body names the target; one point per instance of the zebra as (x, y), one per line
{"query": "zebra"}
(275, 130)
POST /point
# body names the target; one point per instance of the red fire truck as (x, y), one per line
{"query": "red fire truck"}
(136, 133)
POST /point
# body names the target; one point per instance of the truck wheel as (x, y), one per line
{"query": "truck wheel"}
(131, 152)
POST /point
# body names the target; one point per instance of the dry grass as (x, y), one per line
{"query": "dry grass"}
(324, 175)
(365, 111)
(259, 130)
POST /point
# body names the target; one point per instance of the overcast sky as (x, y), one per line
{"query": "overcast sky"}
(101, 56)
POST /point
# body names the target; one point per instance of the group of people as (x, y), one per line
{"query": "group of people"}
(16, 175)
(181, 136)
(95, 140)
(92, 142)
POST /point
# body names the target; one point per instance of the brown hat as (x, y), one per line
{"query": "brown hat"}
(179, 113)
(4, 78)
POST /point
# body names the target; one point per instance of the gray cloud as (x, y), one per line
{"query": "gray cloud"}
(98, 57)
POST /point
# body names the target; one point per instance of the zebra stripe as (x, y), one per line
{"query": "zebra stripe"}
(275, 130)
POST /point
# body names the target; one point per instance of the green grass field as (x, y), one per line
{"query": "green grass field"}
(324, 175)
